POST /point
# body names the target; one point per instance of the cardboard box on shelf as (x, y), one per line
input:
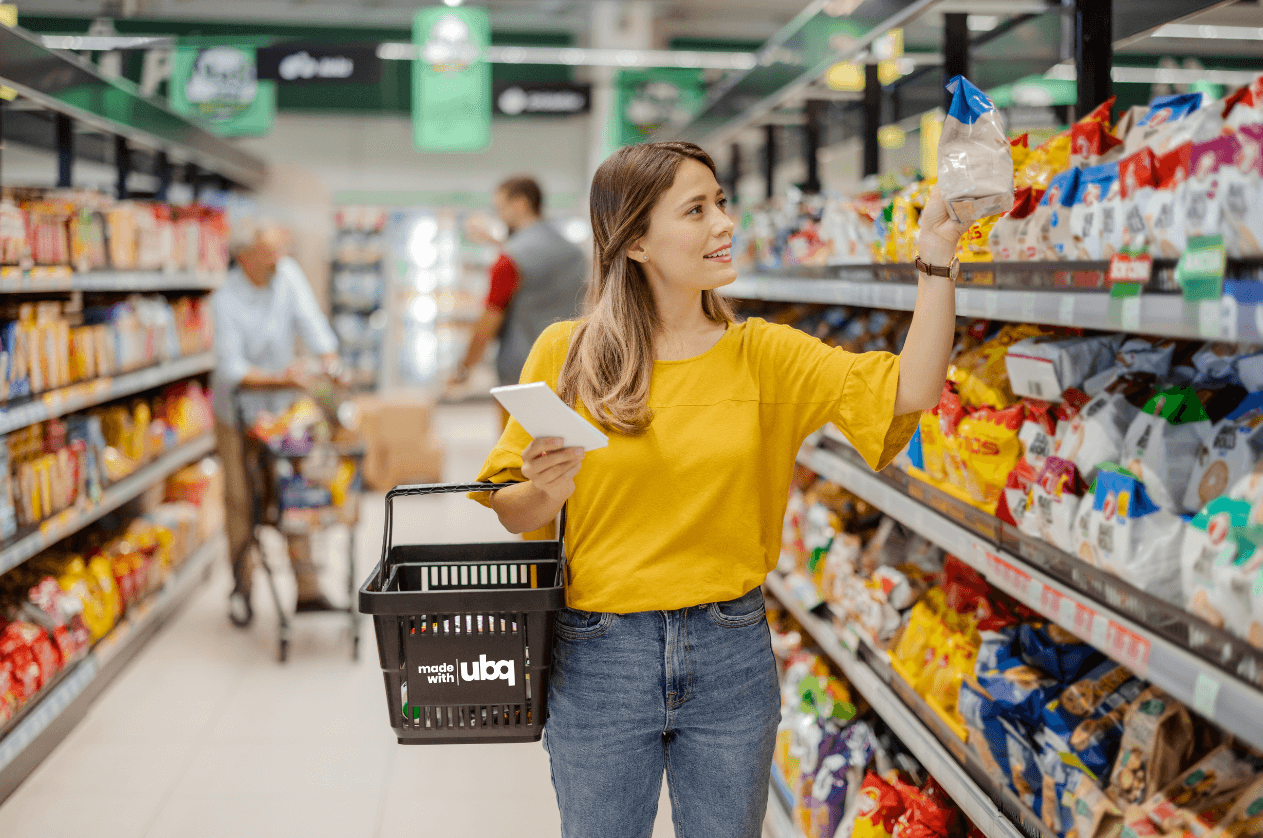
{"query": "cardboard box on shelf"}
(405, 459)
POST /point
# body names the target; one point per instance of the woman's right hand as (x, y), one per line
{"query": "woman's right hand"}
(550, 468)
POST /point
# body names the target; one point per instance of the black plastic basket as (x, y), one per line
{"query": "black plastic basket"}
(464, 632)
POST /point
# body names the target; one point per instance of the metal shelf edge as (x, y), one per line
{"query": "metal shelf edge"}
(65, 400)
(916, 737)
(113, 497)
(1229, 702)
(132, 629)
(778, 822)
(134, 281)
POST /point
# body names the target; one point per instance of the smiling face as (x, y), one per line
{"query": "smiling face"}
(689, 242)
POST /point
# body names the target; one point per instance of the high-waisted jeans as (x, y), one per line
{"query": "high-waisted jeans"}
(693, 692)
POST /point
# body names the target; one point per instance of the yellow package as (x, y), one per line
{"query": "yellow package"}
(99, 569)
(975, 245)
(987, 448)
(945, 687)
(1044, 163)
(911, 645)
(134, 446)
(980, 373)
(77, 582)
(905, 224)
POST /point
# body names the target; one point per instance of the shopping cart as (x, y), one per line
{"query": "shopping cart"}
(268, 465)
(465, 632)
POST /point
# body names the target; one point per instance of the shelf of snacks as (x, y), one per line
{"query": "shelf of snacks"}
(19, 548)
(963, 790)
(1135, 641)
(359, 288)
(1072, 741)
(34, 728)
(83, 395)
(16, 280)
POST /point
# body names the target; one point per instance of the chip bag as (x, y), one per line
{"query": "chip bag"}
(1137, 179)
(1164, 219)
(1157, 744)
(975, 163)
(1199, 799)
(880, 808)
(1086, 721)
(1087, 224)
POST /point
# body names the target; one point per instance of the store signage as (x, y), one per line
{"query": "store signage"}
(655, 99)
(299, 63)
(220, 86)
(542, 99)
(451, 81)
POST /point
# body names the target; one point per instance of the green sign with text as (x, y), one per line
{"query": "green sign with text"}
(451, 80)
(219, 85)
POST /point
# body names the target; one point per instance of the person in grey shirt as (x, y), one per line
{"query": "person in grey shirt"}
(538, 280)
(264, 303)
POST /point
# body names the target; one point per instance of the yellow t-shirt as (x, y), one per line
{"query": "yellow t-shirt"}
(691, 511)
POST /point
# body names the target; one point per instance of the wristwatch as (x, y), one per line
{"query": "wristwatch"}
(952, 271)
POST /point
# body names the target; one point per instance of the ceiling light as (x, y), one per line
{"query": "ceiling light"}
(453, 3)
(983, 23)
(1211, 33)
(592, 57)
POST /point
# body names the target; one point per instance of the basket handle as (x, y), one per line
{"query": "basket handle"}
(412, 490)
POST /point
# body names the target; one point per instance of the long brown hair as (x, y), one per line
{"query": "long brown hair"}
(610, 361)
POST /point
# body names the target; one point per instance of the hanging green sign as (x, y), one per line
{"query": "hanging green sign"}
(451, 80)
(220, 86)
(651, 100)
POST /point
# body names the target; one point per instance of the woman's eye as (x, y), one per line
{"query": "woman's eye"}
(723, 203)
(694, 209)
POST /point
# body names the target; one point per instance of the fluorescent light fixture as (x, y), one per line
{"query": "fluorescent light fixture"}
(1210, 33)
(453, 3)
(983, 23)
(573, 56)
(1162, 75)
(100, 43)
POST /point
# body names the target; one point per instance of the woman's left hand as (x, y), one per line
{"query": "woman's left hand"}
(936, 243)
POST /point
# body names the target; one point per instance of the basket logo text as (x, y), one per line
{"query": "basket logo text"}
(481, 670)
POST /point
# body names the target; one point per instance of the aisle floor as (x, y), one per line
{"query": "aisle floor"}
(205, 734)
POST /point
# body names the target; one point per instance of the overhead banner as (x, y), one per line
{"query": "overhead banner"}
(651, 100)
(220, 86)
(451, 81)
(320, 63)
(542, 99)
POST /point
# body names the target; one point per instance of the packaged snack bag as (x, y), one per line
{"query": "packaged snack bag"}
(1024, 772)
(1162, 444)
(1135, 355)
(1095, 434)
(1003, 239)
(1056, 651)
(1243, 188)
(1113, 217)
(975, 164)
(1046, 162)
(1199, 799)
(925, 817)
(1164, 221)
(1053, 503)
(1245, 818)
(1086, 721)
(1095, 814)
(880, 808)
(1043, 367)
(1205, 191)
(1157, 745)
(1164, 112)
(988, 447)
(975, 245)
(1017, 691)
(1087, 214)
(1229, 453)
(1091, 141)
(985, 737)
(1052, 217)
(980, 373)
(1214, 530)
(1020, 148)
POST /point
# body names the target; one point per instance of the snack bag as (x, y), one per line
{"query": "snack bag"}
(1245, 818)
(1228, 454)
(1205, 192)
(1017, 691)
(1095, 434)
(1243, 187)
(1134, 539)
(988, 446)
(1136, 355)
(1091, 142)
(880, 808)
(1164, 113)
(1044, 163)
(1003, 239)
(1095, 814)
(1197, 801)
(1053, 503)
(975, 163)
(1112, 217)
(1157, 744)
(925, 817)
(1024, 772)
(1087, 223)
(1164, 220)
(1054, 650)
(1051, 219)
(975, 245)
(1045, 366)
(984, 735)
(1162, 445)
(1020, 148)
(980, 373)
(1137, 179)
(1086, 721)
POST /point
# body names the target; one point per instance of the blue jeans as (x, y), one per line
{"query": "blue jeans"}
(693, 692)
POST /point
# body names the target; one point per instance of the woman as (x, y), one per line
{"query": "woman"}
(663, 658)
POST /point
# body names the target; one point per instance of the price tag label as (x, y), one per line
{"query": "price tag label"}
(1128, 648)
(1130, 267)
(1100, 628)
(1208, 312)
(992, 302)
(1012, 579)
(1084, 621)
(1067, 610)
(1205, 691)
(1028, 306)
(1065, 314)
(1050, 602)
(1131, 313)
(1228, 313)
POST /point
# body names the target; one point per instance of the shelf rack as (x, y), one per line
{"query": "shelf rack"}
(43, 281)
(965, 790)
(87, 394)
(51, 715)
(778, 821)
(1232, 699)
(23, 546)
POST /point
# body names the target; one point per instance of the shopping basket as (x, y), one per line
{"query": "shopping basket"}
(465, 632)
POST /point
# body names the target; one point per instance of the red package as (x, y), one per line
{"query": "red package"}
(878, 810)
(1138, 171)
(1023, 141)
(1101, 113)
(1072, 401)
(1091, 140)
(1173, 166)
(925, 819)
(1025, 200)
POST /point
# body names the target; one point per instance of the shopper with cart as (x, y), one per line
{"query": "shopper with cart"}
(662, 659)
(264, 303)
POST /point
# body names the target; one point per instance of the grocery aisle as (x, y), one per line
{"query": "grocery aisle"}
(204, 734)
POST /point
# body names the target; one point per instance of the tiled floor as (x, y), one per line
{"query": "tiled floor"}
(205, 734)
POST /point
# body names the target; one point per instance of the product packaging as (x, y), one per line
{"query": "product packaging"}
(975, 163)
(1095, 434)
(1199, 799)
(1087, 215)
(1157, 745)
(1044, 367)
(1162, 445)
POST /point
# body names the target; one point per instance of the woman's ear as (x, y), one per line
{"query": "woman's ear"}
(637, 251)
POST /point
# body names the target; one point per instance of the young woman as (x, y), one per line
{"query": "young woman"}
(663, 658)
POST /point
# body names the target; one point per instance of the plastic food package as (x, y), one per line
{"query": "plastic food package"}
(1205, 191)
(987, 448)
(1054, 238)
(1003, 238)
(1095, 814)
(1243, 187)
(1164, 217)
(1053, 650)
(1091, 142)
(1095, 434)
(879, 809)
(1087, 719)
(1157, 744)
(1245, 818)
(980, 373)
(1087, 214)
(1125, 533)
(1199, 799)
(1112, 217)
(1228, 454)
(1053, 503)
(1025, 775)
(1162, 444)
(1044, 367)
(975, 163)
(1135, 355)
(1164, 113)
(1219, 570)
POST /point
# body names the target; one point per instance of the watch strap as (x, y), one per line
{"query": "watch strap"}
(933, 270)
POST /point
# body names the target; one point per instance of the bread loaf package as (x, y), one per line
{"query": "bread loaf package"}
(975, 161)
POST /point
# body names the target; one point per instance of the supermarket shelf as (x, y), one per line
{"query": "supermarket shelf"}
(62, 82)
(1158, 314)
(1215, 693)
(35, 280)
(933, 755)
(45, 721)
(98, 391)
(23, 546)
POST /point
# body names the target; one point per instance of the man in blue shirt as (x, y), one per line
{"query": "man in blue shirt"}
(263, 305)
